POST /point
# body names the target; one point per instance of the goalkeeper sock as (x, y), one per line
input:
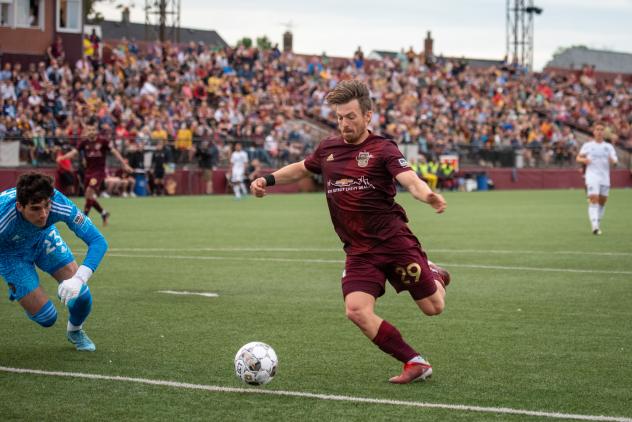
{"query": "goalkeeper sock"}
(79, 309)
(46, 316)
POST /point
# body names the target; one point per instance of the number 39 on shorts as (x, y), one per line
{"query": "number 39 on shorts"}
(409, 274)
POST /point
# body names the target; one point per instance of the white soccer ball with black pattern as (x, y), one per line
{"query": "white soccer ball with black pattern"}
(256, 363)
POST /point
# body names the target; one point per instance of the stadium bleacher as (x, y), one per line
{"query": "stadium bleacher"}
(496, 116)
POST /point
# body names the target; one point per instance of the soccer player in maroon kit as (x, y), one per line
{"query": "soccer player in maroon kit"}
(358, 170)
(95, 148)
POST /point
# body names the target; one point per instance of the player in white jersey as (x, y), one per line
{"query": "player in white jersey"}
(238, 160)
(597, 155)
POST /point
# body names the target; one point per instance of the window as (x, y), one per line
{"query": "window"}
(69, 15)
(29, 13)
(6, 12)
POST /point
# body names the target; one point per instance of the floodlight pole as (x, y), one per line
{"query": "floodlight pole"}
(519, 32)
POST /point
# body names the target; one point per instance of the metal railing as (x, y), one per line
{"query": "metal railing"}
(42, 152)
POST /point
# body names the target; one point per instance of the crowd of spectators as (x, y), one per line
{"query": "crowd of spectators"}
(495, 113)
(187, 98)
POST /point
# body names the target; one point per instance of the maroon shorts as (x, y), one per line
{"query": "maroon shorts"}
(400, 260)
(94, 181)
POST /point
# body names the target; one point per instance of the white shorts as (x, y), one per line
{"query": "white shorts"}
(237, 177)
(597, 189)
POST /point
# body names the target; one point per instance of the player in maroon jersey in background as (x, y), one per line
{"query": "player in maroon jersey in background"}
(358, 170)
(95, 148)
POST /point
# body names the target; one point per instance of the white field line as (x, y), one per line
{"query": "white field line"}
(218, 389)
(340, 262)
(528, 252)
(184, 293)
(228, 258)
(273, 249)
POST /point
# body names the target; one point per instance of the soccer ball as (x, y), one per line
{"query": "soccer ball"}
(256, 363)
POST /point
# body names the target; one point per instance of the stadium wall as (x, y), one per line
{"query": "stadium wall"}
(191, 182)
(187, 182)
(507, 178)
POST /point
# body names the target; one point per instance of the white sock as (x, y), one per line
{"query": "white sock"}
(72, 327)
(417, 359)
(237, 190)
(593, 215)
(602, 211)
(243, 189)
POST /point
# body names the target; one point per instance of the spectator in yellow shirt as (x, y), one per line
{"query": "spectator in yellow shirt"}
(159, 134)
(88, 48)
(184, 144)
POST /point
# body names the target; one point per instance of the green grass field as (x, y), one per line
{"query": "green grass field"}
(538, 316)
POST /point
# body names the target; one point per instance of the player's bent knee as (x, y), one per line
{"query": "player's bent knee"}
(352, 314)
(357, 315)
(46, 316)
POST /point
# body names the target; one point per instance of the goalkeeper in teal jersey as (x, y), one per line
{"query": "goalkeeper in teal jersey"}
(29, 238)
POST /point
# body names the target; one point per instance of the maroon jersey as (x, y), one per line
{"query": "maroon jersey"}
(360, 188)
(95, 152)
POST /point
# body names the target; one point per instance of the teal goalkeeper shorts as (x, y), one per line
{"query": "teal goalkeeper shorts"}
(50, 253)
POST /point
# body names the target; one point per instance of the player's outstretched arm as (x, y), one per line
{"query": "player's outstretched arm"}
(97, 246)
(81, 225)
(68, 156)
(122, 160)
(421, 191)
(288, 174)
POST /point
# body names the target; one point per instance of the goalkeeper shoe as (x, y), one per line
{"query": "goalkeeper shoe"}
(81, 341)
(413, 371)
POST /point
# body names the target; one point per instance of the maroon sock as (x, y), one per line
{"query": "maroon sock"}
(390, 341)
(87, 207)
(97, 206)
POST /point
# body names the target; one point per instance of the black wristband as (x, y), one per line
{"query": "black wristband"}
(270, 180)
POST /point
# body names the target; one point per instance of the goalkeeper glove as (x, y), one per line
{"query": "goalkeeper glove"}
(70, 289)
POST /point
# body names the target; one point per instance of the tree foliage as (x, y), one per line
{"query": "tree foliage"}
(263, 43)
(89, 14)
(245, 41)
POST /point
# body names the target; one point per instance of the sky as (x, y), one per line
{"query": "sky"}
(470, 28)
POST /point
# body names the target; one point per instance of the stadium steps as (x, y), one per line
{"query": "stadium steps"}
(318, 130)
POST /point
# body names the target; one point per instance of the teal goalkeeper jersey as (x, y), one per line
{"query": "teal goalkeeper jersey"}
(18, 237)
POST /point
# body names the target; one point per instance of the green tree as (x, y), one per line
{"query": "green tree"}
(89, 14)
(245, 41)
(263, 43)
